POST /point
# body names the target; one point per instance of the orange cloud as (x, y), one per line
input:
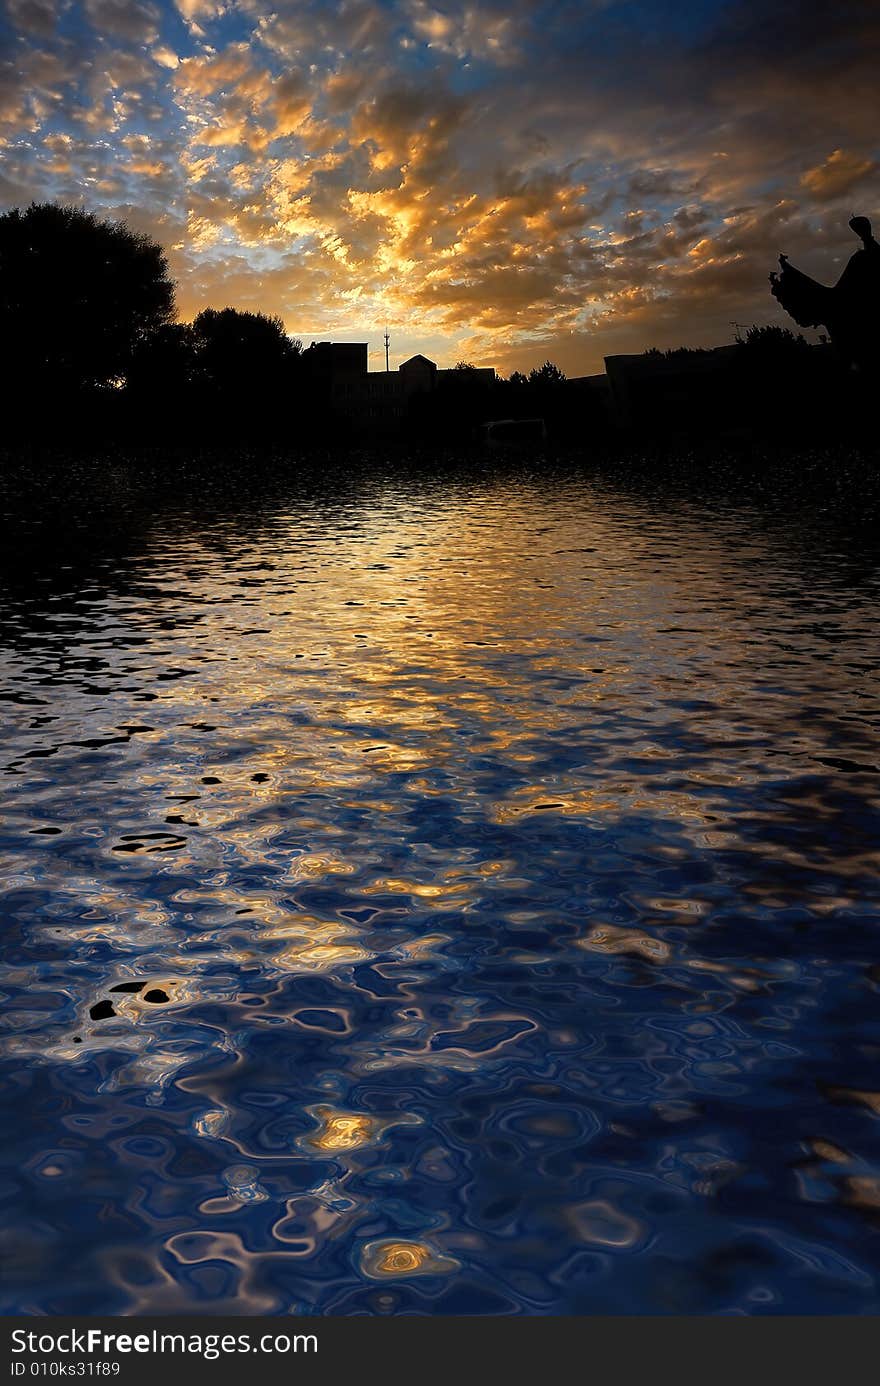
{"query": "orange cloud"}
(837, 174)
(491, 186)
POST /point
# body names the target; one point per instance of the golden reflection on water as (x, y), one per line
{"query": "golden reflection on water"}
(340, 1131)
(608, 938)
(320, 957)
(552, 720)
(868, 1099)
(383, 1260)
(319, 946)
(212, 1123)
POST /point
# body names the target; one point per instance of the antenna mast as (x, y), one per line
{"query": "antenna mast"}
(387, 344)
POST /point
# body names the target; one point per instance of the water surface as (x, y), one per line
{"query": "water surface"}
(439, 897)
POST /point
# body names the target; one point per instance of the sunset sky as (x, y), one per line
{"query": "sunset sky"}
(497, 181)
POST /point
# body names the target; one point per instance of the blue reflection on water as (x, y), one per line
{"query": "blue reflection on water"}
(450, 898)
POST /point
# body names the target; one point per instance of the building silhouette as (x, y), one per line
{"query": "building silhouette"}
(672, 390)
(375, 402)
(724, 391)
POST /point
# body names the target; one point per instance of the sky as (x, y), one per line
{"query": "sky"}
(498, 181)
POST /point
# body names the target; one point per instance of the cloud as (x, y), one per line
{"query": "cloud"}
(38, 17)
(32, 89)
(165, 57)
(225, 96)
(837, 174)
(131, 20)
(296, 27)
(469, 30)
(525, 178)
(204, 74)
(291, 101)
(195, 10)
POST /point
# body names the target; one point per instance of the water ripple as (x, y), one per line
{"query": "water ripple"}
(440, 897)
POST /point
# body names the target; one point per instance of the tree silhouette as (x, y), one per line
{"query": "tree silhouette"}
(548, 374)
(779, 343)
(772, 368)
(160, 380)
(248, 353)
(679, 354)
(78, 298)
(244, 369)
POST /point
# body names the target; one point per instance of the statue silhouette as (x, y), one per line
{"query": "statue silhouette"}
(850, 310)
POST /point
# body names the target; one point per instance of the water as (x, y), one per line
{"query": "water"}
(447, 897)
